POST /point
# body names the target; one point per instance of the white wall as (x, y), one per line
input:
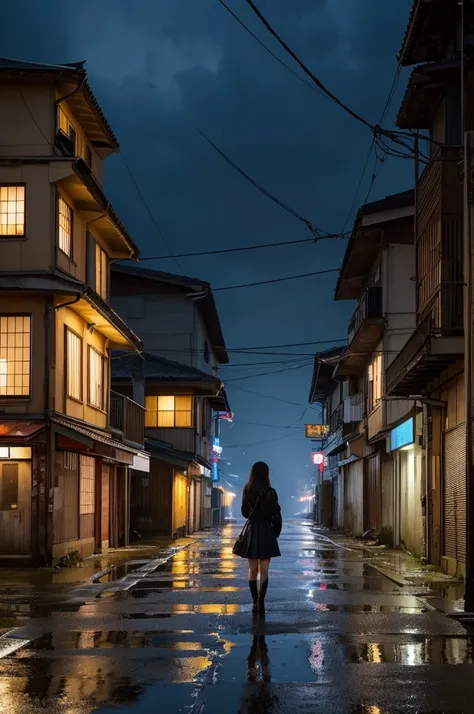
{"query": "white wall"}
(169, 326)
(399, 295)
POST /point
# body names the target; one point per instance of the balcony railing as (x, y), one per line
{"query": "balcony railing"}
(337, 418)
(439, 240)
(127, 417)
(368, 309)
(353, 409)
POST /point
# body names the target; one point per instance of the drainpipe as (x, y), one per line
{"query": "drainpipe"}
(426, 497)
(45, 551)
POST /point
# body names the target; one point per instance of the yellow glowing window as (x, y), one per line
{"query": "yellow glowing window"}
(64, 227)
(12, 211)
(73, 365)
(96, 379)
(15, 453)
(15, 356)
(101, 271)
(169, 411)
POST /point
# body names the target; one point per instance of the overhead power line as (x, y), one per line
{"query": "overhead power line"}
(276, 280)
(262, 441)
(314, 229)
(375, 128)
(308, 363)
(219, 251)
(267, 49)
(269, 396)
(148, 210)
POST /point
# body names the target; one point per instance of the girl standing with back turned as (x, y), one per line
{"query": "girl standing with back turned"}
(260, 505)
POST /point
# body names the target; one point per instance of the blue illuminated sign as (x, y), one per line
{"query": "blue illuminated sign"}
(402, 435)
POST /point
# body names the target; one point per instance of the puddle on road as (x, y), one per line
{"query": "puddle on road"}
(113, 639)
(356, 609)
(121, 571)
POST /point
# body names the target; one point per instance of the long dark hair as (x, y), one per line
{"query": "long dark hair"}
(259, 480)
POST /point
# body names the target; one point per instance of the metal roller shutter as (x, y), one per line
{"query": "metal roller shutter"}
(372, 493)
(455, 493)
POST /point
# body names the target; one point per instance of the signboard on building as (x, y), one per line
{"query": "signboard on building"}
(318, 460)
(316, 431)
(402, 435)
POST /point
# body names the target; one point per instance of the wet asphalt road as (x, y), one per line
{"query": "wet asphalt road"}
(337, 637)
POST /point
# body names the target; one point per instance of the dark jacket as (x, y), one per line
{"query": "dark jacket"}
(267, 508)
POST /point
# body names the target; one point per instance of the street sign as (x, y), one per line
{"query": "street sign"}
(316, 431)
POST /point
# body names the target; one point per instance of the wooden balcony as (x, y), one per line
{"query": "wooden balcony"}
(439, 241)
(427, 353)
(128, 418)
(367, 323)
(353, 409)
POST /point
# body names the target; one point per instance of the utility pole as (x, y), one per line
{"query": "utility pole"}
(468, 226)
(468, 361)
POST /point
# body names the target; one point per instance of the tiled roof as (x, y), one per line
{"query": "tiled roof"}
(322, 381)
(159, 369)
(206, 303)
(8, 64)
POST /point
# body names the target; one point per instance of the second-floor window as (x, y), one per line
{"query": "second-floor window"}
(169, 412)
(73, 365)
(12, 211)
(66, 126)
(15, 355)
(101, 271)
(97, 393)
(374, 375)
(64, 227)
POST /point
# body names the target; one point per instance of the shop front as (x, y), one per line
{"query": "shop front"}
(407, 485)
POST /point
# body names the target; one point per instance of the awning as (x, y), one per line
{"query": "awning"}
(82, 438)
(20, 429)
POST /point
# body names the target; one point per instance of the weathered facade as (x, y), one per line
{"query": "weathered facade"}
(183, 346)
(63, 474)
(432, 362)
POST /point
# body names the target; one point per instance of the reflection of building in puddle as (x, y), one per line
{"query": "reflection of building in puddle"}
(215, 609)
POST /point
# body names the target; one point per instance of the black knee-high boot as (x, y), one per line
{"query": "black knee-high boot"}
(254, 592)
(261, 597)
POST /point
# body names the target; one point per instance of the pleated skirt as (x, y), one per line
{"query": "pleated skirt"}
(263, 543)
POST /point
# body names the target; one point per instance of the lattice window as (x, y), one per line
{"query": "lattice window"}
(73, 365)
(64, 227)
(169, 411)
(96, 379)
(12, 211)
(87, 486)
(15, 357)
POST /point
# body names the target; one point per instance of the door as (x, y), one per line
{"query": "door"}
(15, 507)
(455, 494)
(372, 494)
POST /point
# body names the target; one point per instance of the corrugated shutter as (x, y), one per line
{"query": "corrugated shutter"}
(455, 493)
(372, 493)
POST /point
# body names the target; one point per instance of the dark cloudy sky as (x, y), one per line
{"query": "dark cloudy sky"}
(160, 66)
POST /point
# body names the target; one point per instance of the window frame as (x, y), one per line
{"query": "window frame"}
(15, 184)
(25, 397)
(60, 197)
(156, 425)
(62, 113)
(79, 399)
(103, 358)
(374, 382)
(99, 273)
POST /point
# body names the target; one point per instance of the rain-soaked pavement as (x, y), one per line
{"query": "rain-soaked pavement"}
(338, 637)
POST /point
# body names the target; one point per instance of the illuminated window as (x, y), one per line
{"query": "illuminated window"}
(96, 379)
(101, 271)
(87, 485)
(15, 356)
(375, 382)
(64, 227)
(12, 211)
(169, 411)
(66, 126)
(15, 453)
(73, 365)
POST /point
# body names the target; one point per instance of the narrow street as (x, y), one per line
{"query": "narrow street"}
(337, 637)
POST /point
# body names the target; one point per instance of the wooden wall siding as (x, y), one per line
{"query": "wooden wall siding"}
(151, 506)
(87, 496)
(66, 501)
(372, 493)
(439, 240)
(180, 488)
(353, 497)
(105, 503)
(15, 523)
